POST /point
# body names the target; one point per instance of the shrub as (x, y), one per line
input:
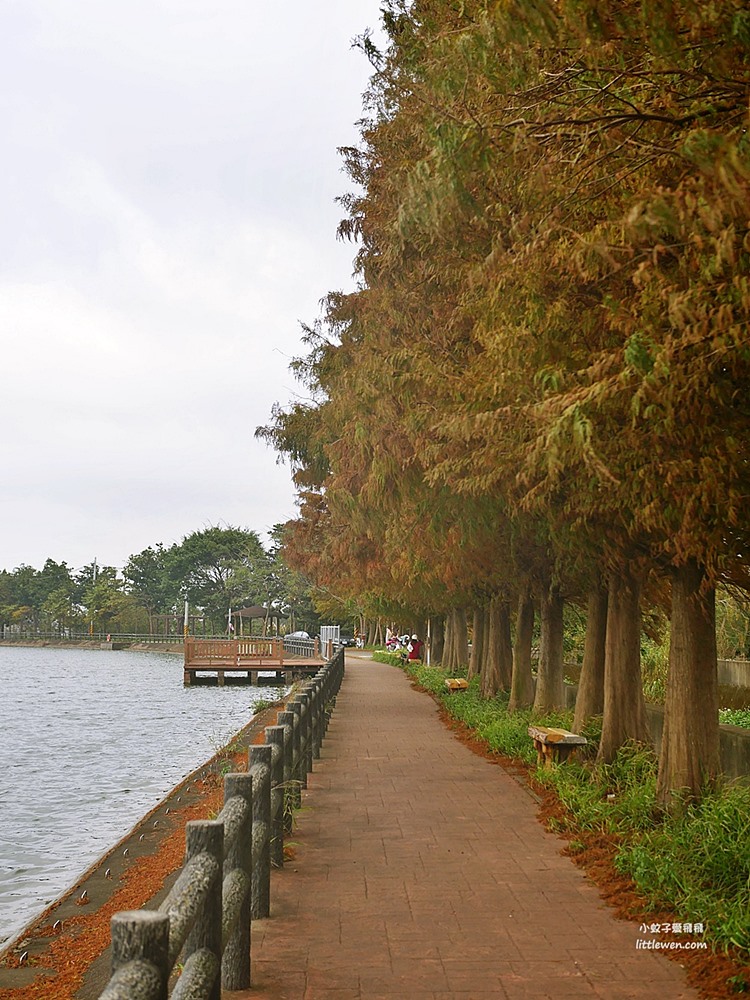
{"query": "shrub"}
(698, 864)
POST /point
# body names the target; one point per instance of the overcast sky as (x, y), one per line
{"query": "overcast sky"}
(168, 219)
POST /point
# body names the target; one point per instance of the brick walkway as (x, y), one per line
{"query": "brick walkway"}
(422, 872)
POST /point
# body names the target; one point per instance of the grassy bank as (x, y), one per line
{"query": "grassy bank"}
(695, 865)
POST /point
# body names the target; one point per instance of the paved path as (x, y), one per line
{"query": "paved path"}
(422, 872)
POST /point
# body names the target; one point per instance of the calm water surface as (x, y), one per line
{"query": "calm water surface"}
(91, 740)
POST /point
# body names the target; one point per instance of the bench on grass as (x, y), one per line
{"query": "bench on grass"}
(553, 746)
(456, 684)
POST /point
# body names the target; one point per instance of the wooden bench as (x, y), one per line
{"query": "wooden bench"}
(456, 684)
(553, 746)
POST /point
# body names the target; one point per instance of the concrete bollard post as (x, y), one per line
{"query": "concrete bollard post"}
(320, 703)
(312, 704)
(275, 738)
(206, 836)
(323, 682)
(235, 963)
(307, 751)
(300, 771)
(260, 769)
(142, 936)
(300, 700)
(288, 721)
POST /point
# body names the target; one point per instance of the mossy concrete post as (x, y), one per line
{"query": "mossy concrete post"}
(312, 707)
(300, 771)
(288, 721)
(326, 701)
(307, 754)
(275, 739)
(303, 700)
(235, 963)
(317, 689)
(140, 939)
(260, 769)
(206, 837)
(325, 693)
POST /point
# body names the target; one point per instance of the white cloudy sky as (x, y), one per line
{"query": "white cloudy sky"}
(167, 219)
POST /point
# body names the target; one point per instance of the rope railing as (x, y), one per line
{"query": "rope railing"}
(204, 924)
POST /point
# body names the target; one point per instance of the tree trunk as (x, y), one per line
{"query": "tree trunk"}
(477, 643)
(437, 639)
(689, 763)
(505, 646)
(487, 626)
(549, 682)
(489, 683)
(522, 682)
(461, 640)
(590, 697)
(449, 645)
(497, 665)
(624, 707)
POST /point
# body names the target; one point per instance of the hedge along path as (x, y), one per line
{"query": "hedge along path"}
(82, 940)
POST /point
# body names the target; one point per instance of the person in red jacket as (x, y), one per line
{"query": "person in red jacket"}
(415, 648)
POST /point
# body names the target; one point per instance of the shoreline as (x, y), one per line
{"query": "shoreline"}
(138, 647)
(67, 944)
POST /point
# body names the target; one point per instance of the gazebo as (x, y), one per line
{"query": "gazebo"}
(249, 614)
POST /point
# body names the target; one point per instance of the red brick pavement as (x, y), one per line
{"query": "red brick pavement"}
(421, 872)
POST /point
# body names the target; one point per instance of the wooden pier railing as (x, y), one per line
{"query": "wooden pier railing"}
(250, 656)
(203, 927)
(234, 652)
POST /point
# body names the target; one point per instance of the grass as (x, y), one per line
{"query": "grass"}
(261, 705)
(700, 860)
(617, 798)
(735, 717)
(695, 864)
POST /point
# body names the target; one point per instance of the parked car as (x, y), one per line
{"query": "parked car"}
(297, 635)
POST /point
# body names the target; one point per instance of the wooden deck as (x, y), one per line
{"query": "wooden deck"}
(240, 661)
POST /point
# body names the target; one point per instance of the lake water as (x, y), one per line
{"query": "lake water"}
(90, 740)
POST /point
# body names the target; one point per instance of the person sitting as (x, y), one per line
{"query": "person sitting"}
(415, 648)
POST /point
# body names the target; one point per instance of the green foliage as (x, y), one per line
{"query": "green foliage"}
(639, 352)
(220, 568)
(735, 717)
(215, 569)
(732, 624)
(149, 580)
(697, 864)
(46, 598)
(618, 797)
(261, 705)
(574, 634)
(654, 668)
(394, 659)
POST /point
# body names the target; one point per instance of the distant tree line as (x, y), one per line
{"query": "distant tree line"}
(215, 570)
